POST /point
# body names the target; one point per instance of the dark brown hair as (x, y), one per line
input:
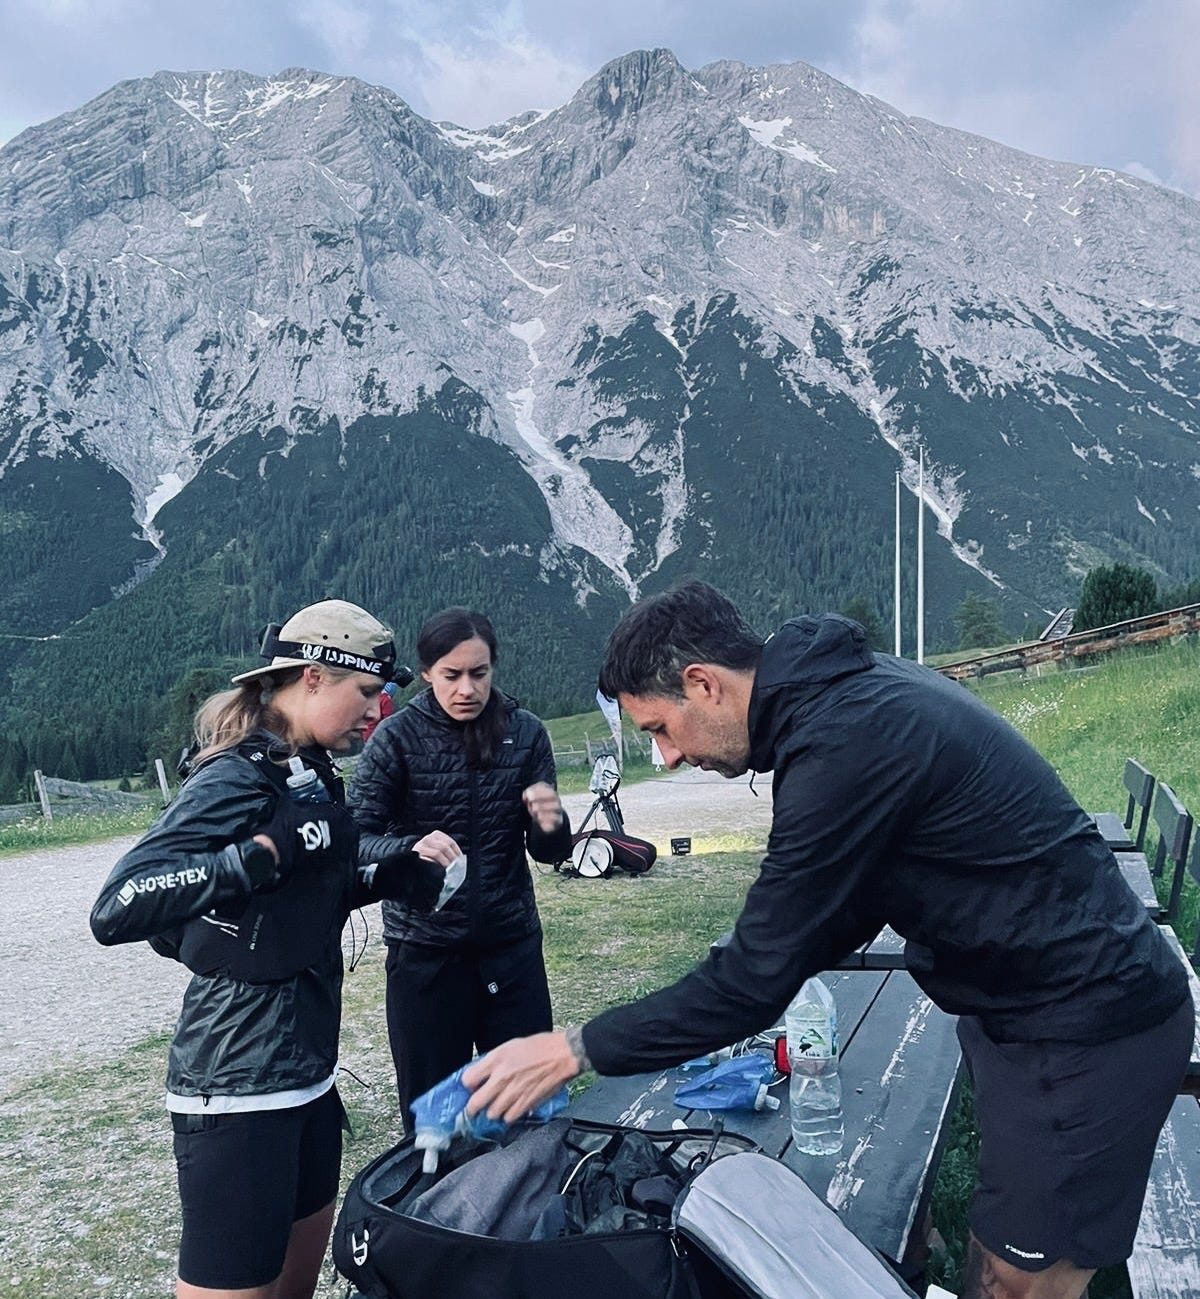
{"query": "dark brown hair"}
(441, 634)
(656, 639)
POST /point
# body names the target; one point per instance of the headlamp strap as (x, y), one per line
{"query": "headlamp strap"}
(380, 664)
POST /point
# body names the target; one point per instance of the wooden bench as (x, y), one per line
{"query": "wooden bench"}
(1174, 824)
(1139, 786)
(900, 1069)
(1194, 872)
(1191, 1082)
(1165, 1263)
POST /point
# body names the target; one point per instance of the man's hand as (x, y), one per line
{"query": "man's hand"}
(437, 847)
(509, 1081)
(544, 806)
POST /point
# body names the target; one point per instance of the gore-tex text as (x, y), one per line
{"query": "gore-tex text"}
(152, 883)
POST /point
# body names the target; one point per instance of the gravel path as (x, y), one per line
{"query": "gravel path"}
(690, 802)
(64, 998)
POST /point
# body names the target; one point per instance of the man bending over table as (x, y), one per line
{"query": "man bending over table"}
(901, 799)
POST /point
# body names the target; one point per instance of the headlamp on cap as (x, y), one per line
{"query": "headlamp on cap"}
(335, 633)
(381, 662)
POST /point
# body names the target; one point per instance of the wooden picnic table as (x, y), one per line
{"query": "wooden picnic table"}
(900, 1069)
(886, 952)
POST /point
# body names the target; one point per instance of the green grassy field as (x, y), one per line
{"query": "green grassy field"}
(1142, 704)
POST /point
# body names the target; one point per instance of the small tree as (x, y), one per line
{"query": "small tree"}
(978, 622)
(1114, 594)
(863, 612)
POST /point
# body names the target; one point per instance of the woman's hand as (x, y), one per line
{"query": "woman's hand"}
(437, 847)
(544, 806)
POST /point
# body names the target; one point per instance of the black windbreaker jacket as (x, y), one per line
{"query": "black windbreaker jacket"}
(900, 798)
(263, 1010)
(413, 778)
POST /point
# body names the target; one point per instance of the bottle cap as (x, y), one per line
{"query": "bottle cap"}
(432, 1143)
(764, 1100)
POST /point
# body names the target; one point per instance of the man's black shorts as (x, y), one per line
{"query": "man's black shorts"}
(1067, 1134)
(244, 1178)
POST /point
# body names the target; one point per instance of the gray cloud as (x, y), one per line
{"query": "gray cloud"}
(1105, 82)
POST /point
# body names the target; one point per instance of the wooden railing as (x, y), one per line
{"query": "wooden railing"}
(1100, 640)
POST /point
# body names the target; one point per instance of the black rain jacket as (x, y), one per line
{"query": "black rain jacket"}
(413, 778)
(265, 1016)
(900, 798)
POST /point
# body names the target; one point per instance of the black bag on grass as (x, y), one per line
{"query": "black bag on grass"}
(686, 1214)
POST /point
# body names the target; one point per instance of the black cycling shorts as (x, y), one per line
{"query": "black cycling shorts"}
(1067, 1134)
(244, 1179)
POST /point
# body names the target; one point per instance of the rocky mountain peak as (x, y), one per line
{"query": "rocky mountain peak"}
(642, 298)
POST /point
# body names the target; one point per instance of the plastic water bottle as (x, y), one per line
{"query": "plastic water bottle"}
(441, 1113)
(815, 1094)
(304, 785)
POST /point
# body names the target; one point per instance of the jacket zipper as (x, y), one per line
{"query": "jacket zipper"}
(473, 856)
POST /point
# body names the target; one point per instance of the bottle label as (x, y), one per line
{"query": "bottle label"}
(815, 1042)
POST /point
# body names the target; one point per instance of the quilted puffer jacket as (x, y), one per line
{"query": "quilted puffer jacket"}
(413, 778)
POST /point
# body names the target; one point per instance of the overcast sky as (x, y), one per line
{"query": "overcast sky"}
(1109, 82)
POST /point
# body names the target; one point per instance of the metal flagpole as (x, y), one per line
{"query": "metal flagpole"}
(921, 559)
(896, 583)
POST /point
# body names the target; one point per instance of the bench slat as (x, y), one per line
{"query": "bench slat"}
(1113, 828)
(1136, 872)
(1166, 1254)
(1193, 1072)
(884, 952)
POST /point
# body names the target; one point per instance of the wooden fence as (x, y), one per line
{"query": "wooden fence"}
(57, 797)
(1147, 630)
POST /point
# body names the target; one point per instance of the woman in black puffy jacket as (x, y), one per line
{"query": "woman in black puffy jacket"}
(460, 768)
(250, 888)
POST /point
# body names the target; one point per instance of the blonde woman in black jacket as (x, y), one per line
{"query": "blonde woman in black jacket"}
(460, 768)
(250, 889)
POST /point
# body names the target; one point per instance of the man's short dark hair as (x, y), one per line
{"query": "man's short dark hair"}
(691, 623)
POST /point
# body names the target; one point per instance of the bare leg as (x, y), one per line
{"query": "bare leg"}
(185, 1291)
(301, 1265)
(989, 1277)
(305, 1254)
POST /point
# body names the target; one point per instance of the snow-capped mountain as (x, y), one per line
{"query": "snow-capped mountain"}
(688, 321)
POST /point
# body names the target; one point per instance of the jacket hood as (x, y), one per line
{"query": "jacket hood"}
(804, 656)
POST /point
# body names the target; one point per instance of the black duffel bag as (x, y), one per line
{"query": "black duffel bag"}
(596, 1211)
(607, 1233)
